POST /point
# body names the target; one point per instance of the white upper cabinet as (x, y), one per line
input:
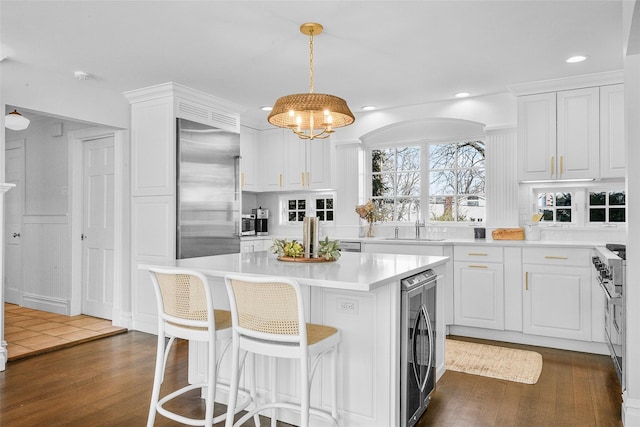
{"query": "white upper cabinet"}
(558, 135)
(536, 136)
(288, 163)
(572, 134)
(613, 151)
(578, 126)
(248, 154)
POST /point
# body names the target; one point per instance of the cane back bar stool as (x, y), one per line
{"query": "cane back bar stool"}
(266, 314)
(185, 310)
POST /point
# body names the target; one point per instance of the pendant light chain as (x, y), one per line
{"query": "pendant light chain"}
(311, 61)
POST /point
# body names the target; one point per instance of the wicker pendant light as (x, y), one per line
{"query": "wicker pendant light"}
(311, 115)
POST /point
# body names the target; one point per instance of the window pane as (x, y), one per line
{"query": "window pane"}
(292, 205)
(471, 154)
(329, 203)
(408, 184)
(597, 215)
(441, 208)
(547, 215)
(320, 215)
(563, 215)
(545, 200)
(382, 160)
(563, 199)
(616, 198)
(471, 181)
(300, 216)
(471, 208)
(407, 209)
(292, 216)
(383, 185)
(408, 158)
(597, 199)
(302, 204)
(443, 182)
(617, 215)
(319, 203)
(442, 156)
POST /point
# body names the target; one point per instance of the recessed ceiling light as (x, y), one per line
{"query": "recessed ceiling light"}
(577, 58)
(368, 107)
(266, 108)
(81, 75)
(462, 94)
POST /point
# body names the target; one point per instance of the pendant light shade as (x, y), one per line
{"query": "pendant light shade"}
(16, 121)
(311, 115)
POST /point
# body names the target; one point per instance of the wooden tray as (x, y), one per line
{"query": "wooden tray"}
(301, 259)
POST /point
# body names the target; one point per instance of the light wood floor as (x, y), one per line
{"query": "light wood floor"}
(30, 332)
(108, 383)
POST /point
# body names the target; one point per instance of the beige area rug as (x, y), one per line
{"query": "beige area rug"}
(492, 361)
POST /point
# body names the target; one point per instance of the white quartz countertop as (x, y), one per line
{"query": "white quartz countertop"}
(477, 242)
(353, 271)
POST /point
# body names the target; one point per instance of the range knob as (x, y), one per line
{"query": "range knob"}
(604, 273)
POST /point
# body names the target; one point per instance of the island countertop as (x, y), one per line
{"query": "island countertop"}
(353, 271)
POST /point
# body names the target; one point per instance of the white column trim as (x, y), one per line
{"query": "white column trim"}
(4, 355)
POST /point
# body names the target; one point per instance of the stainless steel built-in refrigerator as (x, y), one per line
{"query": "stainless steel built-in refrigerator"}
(208, 191)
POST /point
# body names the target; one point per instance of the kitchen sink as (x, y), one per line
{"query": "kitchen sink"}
(404, 239)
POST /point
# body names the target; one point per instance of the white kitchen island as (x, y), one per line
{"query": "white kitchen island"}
(360, 295)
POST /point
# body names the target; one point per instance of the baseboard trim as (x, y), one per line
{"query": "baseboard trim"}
(52, 305)
(630, 410)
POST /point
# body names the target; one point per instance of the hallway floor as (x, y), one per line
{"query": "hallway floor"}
(30, 332)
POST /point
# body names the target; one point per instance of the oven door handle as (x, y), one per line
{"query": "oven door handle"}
(607, 294)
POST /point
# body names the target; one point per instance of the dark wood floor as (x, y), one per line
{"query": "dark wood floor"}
(574, 390)
(108, 383)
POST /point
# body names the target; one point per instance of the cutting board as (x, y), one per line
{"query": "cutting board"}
(508, 234)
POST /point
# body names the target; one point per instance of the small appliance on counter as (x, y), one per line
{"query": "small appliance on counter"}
(262, 220)
(248, 225)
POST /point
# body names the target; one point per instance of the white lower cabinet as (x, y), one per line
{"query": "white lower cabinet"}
(478, 287)
(557, 293)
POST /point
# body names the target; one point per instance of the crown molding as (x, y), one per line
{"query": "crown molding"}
(567, 83)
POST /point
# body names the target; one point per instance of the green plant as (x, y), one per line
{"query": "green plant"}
(329, 249)
(283, 247)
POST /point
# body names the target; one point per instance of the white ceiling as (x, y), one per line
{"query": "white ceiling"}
(385, 53)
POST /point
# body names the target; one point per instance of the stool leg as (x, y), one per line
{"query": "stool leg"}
(235, 378)
(334, 383)
(211, 384)
(273, 381)
(305, 378)
(157, 377)
(254, 393)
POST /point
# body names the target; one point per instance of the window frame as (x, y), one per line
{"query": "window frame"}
(310, 206)
(424, 145)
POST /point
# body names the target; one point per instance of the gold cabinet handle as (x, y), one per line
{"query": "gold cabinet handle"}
(555, 257)
(526, 281)
(553, 165)
(302, 178)
(477, 254)
(280, 180)
(477, 266)
(561, 165)
(307, 179)
(242, 179)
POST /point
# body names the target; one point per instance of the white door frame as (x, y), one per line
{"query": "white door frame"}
(76, 159)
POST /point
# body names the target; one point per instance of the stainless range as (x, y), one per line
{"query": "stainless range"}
(610, 264)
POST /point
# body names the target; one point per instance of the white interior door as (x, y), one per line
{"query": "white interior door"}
(14, 174)
(98, 228)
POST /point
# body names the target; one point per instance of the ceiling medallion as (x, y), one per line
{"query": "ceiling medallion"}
(311, 115)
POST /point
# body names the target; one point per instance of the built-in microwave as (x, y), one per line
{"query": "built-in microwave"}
(248, 225)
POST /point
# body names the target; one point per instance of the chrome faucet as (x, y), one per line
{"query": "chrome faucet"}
(418, 225)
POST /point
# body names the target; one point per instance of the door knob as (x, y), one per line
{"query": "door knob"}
(16, 234)
(83, 236)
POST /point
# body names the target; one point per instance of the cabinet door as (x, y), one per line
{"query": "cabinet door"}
(294, 162)
(557, 301)
(270, 166)
(318, 161)
(537, 136)
(578, 148)
(613, 151)
(248, 152)
(479, 295)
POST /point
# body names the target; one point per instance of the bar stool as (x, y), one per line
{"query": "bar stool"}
(185, 310)
(265, 314)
